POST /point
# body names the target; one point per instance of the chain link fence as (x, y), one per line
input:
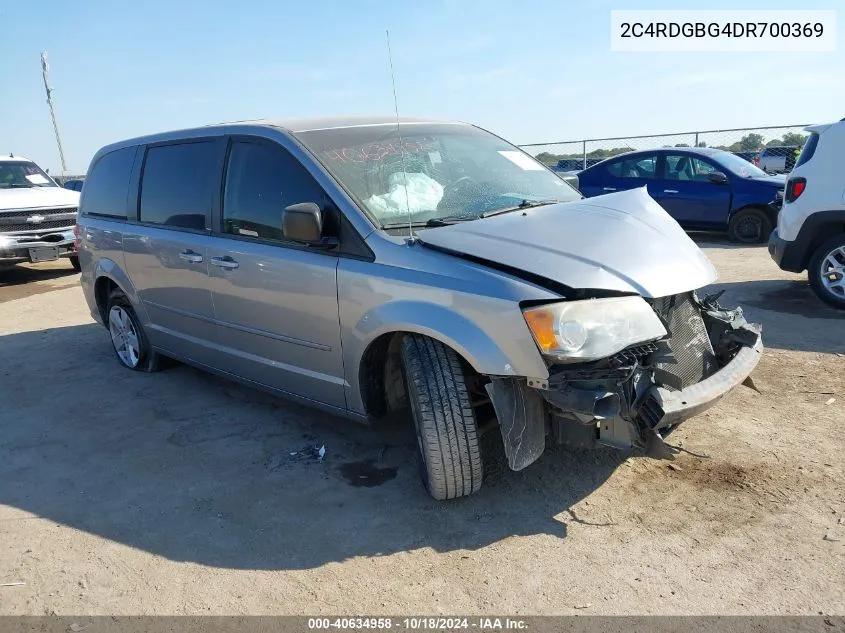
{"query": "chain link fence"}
(773, 149)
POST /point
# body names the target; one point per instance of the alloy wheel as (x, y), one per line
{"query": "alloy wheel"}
(124, 337)
(833, 272)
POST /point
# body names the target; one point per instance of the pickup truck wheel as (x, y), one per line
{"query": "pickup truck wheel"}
(826, 271)
(130, 342)
(447, 433)
(74, 261)
(750, 226)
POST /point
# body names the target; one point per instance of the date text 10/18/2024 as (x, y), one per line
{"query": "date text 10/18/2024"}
(419, 623)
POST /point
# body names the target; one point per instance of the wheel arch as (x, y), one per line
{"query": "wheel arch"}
(771, 213)
(376, 373)
(826, 225)
(108, 276)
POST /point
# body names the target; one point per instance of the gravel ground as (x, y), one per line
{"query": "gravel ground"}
(180, 493)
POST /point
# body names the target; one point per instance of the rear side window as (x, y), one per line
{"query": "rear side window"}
(261, 180)
(808, 150)
(106, 186)
(177, 185)
(636, 167)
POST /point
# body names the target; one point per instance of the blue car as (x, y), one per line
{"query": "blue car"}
(704, 189)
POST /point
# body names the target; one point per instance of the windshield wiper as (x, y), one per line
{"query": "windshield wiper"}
(525, 204)
(432, 222)
(450, 219)
(21, 185)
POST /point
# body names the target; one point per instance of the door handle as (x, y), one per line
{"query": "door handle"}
(608, 189)
(670, 191)
(190, 256)
(224, 262)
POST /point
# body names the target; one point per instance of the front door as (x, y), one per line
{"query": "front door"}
(688, 195)
(166, 252)
(275, 302)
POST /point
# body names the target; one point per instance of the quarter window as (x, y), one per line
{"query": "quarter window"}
(261, 180)
(177, 185)
(107, 184)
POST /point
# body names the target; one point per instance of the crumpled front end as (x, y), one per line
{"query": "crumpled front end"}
(637, 396)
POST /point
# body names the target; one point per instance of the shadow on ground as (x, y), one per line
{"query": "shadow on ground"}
(17, 282)
(713, 239)
(793, 317)
(195, 468)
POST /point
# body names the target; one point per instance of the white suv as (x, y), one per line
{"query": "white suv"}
(811, 225)
(37, 217)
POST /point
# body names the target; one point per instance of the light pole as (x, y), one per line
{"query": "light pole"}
(45, 68)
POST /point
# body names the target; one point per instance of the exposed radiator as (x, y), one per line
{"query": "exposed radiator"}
(690, 345)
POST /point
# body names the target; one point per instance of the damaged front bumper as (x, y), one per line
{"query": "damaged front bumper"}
(49, 245)
(663, 408)
(640, 394)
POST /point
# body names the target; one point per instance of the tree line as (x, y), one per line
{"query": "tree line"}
(751, 142)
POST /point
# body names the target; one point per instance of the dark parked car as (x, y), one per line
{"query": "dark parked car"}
(702, 188)
(73, 185)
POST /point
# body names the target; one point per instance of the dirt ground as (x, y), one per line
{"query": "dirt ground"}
(180, 493)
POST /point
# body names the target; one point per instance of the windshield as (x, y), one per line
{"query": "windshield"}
(451, 171)
(740, 166)
(23, 174)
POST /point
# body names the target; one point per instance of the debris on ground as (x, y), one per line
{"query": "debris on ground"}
(830, 537)
(584, 606)
(321, 453)
(12, 584)
(749, 382)
(831, 401)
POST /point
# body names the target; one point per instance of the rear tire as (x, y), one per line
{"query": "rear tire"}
(74, 261)
(445, 423)
(826, 271)
(750, 226)
(130, 342)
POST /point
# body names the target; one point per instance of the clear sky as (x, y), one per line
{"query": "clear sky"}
(532, 71)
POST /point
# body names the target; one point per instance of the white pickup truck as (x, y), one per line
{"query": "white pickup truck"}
(37, 216)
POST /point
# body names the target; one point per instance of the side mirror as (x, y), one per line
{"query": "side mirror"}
(303, 222)
(717, 177)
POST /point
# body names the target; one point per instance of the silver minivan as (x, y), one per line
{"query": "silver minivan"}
(368, 266)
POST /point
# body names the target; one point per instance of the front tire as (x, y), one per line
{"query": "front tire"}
(445, 423)
(826, 272)
(130, 342)
(74, 261)
(750, 226)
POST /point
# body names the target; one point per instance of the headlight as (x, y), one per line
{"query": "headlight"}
(592, 329)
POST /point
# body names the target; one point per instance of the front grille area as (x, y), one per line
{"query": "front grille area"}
(37, 220)
(692, 358)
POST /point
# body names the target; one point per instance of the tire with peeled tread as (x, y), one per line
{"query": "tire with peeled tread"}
(446, 428)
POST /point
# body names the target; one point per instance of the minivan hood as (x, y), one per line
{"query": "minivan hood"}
(621, 241)
(38, 197)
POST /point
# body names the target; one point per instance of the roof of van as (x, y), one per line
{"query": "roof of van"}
(330, 122)
(291, 126)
